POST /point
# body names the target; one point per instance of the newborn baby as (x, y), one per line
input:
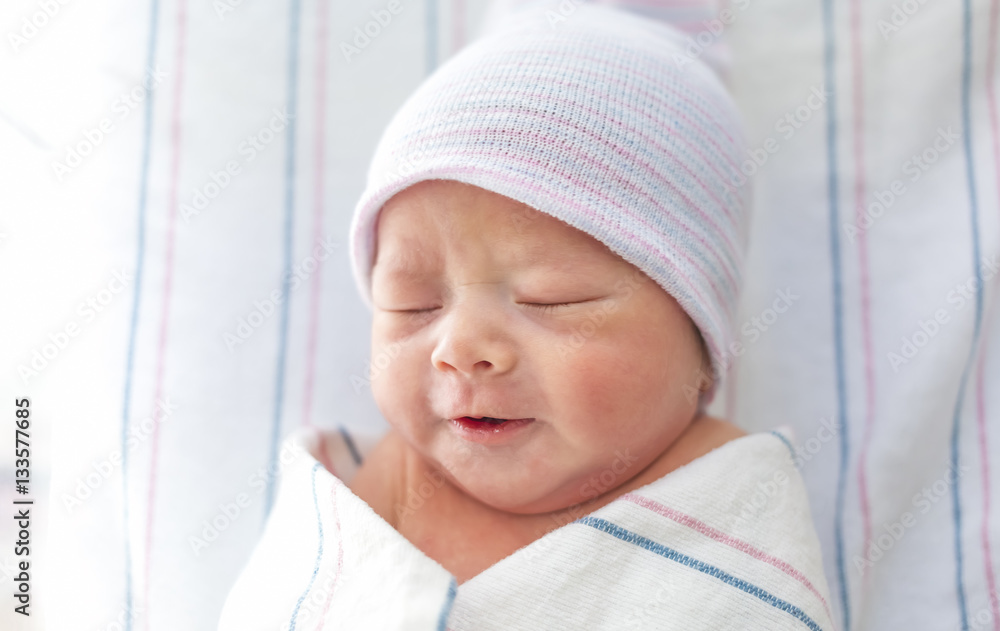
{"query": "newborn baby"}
(487, 299)
(551, 242)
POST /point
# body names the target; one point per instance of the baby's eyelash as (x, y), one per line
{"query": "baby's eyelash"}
(548, 307)
(536, 305)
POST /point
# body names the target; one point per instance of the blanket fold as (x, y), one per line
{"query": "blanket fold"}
(725, 542)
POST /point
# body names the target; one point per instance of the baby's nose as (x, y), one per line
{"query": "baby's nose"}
(475, 340)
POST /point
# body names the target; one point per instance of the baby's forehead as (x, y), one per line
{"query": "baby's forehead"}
(426, 222)
(414, 255)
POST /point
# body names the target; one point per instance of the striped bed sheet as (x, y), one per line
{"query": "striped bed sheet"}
(875, 165)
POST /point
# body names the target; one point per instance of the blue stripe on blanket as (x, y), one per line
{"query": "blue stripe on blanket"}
(286, 275)
(974, 216)
(631, 537)
(448, 602)
(830, 81)
(319, 553)
(791, 450)
(140, 256)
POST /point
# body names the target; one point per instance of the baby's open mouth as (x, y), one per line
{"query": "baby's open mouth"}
(488, 419)
(489, 429)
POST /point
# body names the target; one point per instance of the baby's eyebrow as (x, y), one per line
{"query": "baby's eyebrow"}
(570, 261)
(399, 274)
(403, 263)
(407, 265)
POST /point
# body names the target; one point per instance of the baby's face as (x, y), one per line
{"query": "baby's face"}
(460, 278)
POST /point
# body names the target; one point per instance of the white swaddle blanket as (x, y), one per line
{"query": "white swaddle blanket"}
(725, 542)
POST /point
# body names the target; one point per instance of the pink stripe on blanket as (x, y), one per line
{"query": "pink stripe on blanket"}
(319, 198)
(984, 454)
(340, 557)
(733, 542)
(860, 199)
(168, 282)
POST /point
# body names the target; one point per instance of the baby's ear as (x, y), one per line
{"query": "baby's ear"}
(703, 378)
(706, 374)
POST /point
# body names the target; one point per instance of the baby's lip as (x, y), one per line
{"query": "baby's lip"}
(477, 416)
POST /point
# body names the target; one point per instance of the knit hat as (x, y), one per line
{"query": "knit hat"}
(602, 120)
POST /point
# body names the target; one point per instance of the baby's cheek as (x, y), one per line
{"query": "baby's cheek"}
(395, 382)
(623, 390)
(602, 389)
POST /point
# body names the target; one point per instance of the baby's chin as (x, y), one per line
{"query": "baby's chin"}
(526, 496)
